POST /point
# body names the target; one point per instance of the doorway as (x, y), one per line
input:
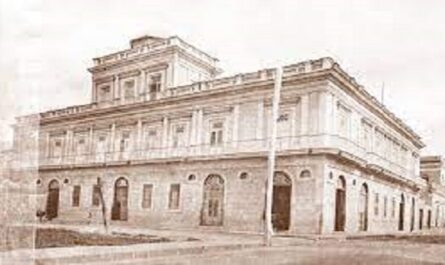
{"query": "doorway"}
(401, 212)
(52, 202)
(340, 204)
(282, 189)
(119, 210)
(212, 212)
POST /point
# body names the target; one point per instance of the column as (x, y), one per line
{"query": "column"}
(193, 128)
(48, 144)
(164, 133)
(94, 99)
(67, 145)
(323, 117)
(372, 144)
(334, 116)
(142, 85)
(91, 140)
(235, 119)
(304, 115)
(138, 142)
(112, 136)
(116, 87)
(293, 122)
(260, 120)
(199, 122)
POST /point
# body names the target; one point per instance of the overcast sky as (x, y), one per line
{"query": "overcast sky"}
(46, 46)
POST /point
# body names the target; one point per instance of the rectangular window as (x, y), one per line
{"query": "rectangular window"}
(125, 141)
(81, 147)
(155, 83)
(151, 138)
(385, 206)
(178, 136)
(96, 195)
(56, 148)
(129, 89)
(101, 143)
(216, 133)
(173, 200)
(376, 204)
(104, 93)
(343, 121)
(76, 196)
(366, 135)
(146, 196)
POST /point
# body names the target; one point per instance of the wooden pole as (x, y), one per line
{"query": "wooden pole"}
(271, 159)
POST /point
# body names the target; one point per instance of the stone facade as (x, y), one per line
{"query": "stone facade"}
(173, 146)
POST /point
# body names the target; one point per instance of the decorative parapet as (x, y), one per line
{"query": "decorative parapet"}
(159, 44)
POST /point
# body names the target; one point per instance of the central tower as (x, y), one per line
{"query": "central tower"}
(150, 66)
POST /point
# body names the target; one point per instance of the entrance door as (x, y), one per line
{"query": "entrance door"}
(212, 211)
(282, 188)
(363, 208)
(401, 213)
(52, 203)
(120, 202)
(340, 204)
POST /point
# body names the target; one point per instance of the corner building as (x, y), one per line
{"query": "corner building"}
(174, 146)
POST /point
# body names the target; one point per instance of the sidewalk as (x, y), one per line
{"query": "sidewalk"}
(212, 242)
(208, 241)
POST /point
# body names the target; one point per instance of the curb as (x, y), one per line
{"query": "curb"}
(143, 254)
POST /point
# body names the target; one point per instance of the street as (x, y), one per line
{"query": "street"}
(286, 256)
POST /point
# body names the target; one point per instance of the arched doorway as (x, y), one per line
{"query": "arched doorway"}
(340, 204)
(119, 210)
(413, 212)
(363, 208)
(401, 212)
(52, 201)
(282, 190)
(212, 212)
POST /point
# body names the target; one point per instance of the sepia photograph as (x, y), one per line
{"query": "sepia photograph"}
(225, 132)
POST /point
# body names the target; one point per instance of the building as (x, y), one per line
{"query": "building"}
(432, 169)
(174, 146)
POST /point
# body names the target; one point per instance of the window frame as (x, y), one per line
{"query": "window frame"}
(144, 204)
(177, 205)
(76, 195)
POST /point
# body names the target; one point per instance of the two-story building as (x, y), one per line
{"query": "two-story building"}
(174, 146)
(432, 214)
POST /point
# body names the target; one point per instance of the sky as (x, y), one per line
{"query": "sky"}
(47, 45)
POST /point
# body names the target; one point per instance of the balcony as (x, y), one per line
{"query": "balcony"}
(257, 147)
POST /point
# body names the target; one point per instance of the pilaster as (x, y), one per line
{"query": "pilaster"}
(260, 119)
(235, 120)
(304, 115)
(116, 87)
(165, 132)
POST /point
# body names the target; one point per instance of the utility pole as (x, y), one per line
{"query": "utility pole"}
(268, 228)
(383, 93)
